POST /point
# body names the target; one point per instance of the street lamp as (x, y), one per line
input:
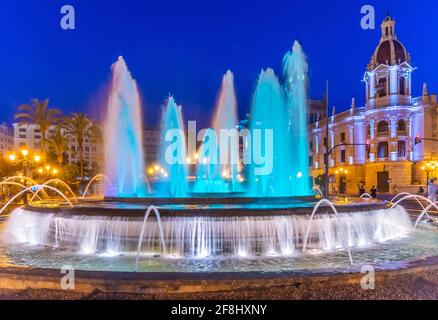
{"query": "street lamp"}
(24, 153)
(48, 170)
(341, 171)
(327, 155)
(428, 168)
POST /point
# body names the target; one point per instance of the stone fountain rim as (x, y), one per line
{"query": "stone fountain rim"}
(138, 211)
(22, 278)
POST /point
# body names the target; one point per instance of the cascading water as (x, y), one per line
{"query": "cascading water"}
(201, 236)
(220, 174)
(173, 152)
(295, 73)
(124, 164)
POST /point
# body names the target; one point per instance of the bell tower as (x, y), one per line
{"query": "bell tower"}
(388, 76)
(388, 29)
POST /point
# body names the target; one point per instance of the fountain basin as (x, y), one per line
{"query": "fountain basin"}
(203, 205)
(220, 231)
(177, 285)
(98, 240)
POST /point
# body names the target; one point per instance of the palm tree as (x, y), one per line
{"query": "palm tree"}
(39, 113)
(78, 127)
(59, 144)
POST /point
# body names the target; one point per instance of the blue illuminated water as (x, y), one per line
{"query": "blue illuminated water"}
(295, 72)
(124, 164)
(215, 243)
(268, 115)
(282, 110)
(218, 154)
(172, 157)
(277, 161)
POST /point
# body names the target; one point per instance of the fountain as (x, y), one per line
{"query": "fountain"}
(209, 178)
(295, 73)
(172, 157)
(37, 188)
(217, 223)
(221, 145)
(96, 178)
(268, 119)
(346, 243)
(54, 181)
(215, 236)
(143, 226)
(124, 162)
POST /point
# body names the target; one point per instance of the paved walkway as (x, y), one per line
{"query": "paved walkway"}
(422, 285)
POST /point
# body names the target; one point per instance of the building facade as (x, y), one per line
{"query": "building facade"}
(376, 145)
(29, 136)
(6, 140)
(151, 145)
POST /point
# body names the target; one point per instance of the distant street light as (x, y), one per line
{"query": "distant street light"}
(13, 158)
(24, 153)
(428, 168)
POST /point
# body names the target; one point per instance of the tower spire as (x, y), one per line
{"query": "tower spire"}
(388, 28)
(425, 93)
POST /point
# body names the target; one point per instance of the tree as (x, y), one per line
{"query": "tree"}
(39, 113)
(59, 144)
(78, 127)
(69, 174)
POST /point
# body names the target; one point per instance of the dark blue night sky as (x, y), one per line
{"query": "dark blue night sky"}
(184, 47)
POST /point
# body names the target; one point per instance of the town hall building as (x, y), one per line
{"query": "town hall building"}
(389, 123)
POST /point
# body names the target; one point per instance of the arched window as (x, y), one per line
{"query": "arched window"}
(381, 87)
(402, 84)
(382, 149)
(401, 125)
(401, 149)
(382, 126)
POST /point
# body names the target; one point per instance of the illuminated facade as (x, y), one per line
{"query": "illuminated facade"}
(389, 123)
(6, 140)
(29, 136)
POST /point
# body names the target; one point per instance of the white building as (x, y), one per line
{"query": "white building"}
(6, 140)
(29, 136)
(389, 123)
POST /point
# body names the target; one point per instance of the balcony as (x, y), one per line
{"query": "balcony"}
(389, 100)
(382, 134)
(402, 133)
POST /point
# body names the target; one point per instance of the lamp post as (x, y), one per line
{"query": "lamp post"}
(326, 154)
(367, 146)
(23, 156)
(48, 171)
(428, 168)
(341, 172)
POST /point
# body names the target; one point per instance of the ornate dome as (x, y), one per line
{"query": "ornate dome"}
(390, 51)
